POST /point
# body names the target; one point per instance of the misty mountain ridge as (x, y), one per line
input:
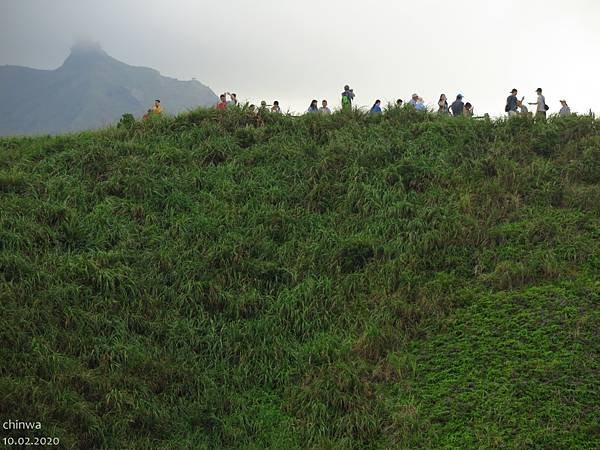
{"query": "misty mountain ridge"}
(91, 89)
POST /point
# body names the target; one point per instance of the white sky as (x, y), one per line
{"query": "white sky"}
(295, 51)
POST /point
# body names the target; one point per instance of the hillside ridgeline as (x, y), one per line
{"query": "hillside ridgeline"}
(218, 280)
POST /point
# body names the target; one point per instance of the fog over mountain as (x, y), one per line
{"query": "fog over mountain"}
(90, 90)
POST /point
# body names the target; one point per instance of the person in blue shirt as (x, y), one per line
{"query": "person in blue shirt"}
(420, 106)
(313, 108)
(413, 100)
(376, 108)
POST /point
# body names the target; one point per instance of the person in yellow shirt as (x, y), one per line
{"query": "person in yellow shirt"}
(157, 108)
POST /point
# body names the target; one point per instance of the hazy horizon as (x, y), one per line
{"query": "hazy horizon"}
(294, 52)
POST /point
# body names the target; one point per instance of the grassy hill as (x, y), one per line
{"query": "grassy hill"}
(216, 280)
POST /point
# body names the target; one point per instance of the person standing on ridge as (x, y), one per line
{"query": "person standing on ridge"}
(468, 112)
(324, 109)
(512, 103)
(276, 109)
(399, 103)
(376, 108)
(157, 109)
(413, 100)
(313, 108)
(233, 99)
(443, 105)
(522, 107)
(541, 106)
(565, 110)
(458, 106)
(222, 104)
(347, 97)
(420, 106)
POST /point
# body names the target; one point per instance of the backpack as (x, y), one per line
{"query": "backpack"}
(345, 101)
(546, 107)
(507, 108)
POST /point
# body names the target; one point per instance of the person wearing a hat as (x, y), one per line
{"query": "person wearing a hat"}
(541, 109)
(511, 103)
(565, 110)
(414, 100)
(458, 107)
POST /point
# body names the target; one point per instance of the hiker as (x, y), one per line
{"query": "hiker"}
(523, 111)
(376, 108)
(511, 104)
(413, 100)
(233, 99)
(443, 105)
(324, 109)
(222, 104)
(157, 109)
(147, 115)
(276, 109)
(468, 112)
(565, 110)
(399, 103)
(420, 106)
(458, 106)
(347, 97)
(263, 106)
(541, 107)
(313, 108)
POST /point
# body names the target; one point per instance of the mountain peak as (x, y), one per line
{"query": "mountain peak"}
(86, 54)
(87, 47)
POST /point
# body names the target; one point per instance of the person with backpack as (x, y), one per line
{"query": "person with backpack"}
(376, 108)
(458, 106)
(512, 103)
(347, 97)
(541, 106)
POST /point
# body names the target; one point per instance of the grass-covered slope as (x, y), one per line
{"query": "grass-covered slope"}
(209, 281)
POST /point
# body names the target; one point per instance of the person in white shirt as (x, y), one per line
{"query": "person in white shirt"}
(324, 109)
(233, 101)
(541, 104)
(565, 110)
(276, 109)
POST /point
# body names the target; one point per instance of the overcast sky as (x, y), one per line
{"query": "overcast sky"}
(295, 51)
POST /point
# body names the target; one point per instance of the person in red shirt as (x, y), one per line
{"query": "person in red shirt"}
(222, 103)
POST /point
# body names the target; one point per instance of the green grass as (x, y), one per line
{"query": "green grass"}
(216, 281)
